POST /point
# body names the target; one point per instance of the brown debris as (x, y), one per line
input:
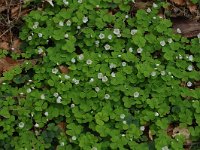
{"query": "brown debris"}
(7, 63)
(178, 2)
(64, 69)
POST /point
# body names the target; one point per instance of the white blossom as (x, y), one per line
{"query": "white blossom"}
(148, 10)
(113, 74)
(112, 66)
(80, 1)
(85, 19)
(116, 31)
(97, 89)
(107, 96)
(133, 32)
(67, 77)
(110, 37)
(130, 49)
(123, 64)
(189, 84)
(156, 114)
(100, 75)
(78, 27)
(155, 5)
(28, 90)
(162, 43)
(153, 73)
(74, 138)
(21, 125)
(62, 143)
(119, 55)
(29, 38)
(190, 67)
(122, 116)
(190, 58)
(89, 62)
(198, 36)
(39, 34)
(72, 105)
(46, 113)
(97, 42)
(81, 57)
(123, 135)
(55, 94)
(73, 60)
(101, 36)
(169, 40)
(69, 23)
(178, 30)
(65, 2)
(136, 94)
(165, 148)
(139, 50)
(61, 23)
(104, 79)
(94, 148)
(142, 128)
(154, 17)
(58, 100)
(40, 50)
(107, 47)
(54, 70)
(66, 35)
(75, 81)
(42, 96)
(124, 122)
(91, 80)
(36, 125)
(126, 16)
(162, 73)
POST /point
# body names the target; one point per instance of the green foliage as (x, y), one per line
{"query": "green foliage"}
(130, 78)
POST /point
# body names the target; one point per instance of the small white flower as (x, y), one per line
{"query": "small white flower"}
(107, 47)
(85, 19)
(91, 80)
(153, 74)
(73, 60)
(110, 37)
(28, 90)
(124, 122)
(198, 36)
(190, 58)
(46, 113)
(148, 10)
(78, 27)
(180, 56)
(62, 144)
(97, 42)
(119, 35)
(112, 66)
(123, 64)
(119, 55)
(162, 43)
(40, 50)
(156, 114)
(69, 23)
(58, 100)
(169, 73)
(123, 135)
(21, 125)
(29, 38)
(104, 79)
(61, 23)
(81, 57)
(94, 148)
(55, 94)
(66, 35)
(80, 1)
(155, 5)
(75, 81)
(113, 74)
(72, 105)
(169, 40)
(116, 31)
(178, 30)
(89, 62)
(39, 34)
(157, 65)
(100, 75)
(162, 73)
(36, 125)
(107, 96)
(130, 49)
(126, 16)
(97, 89)
(67, 77)
(165, 148)
(65, 2)
(133, 32)
(139, 50)
(42, 96)
(154, 17)
(54, 70)
(142, 128)
(122, 116)
(136, 94)
(74, 138)
(101, 36)
(189, 84)
(190, 67)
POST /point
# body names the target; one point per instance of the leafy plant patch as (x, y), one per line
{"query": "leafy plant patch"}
(104, 79)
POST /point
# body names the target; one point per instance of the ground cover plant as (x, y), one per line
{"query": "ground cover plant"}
(103, 79)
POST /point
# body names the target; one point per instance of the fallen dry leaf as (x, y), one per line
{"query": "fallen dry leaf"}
(7, 63)
(4, 45)
(16, 45)
(178, 2)
(63, 69)
(192, 8)
(62, 126)
(181, 131)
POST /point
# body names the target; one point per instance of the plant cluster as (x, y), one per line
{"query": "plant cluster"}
(128, 79)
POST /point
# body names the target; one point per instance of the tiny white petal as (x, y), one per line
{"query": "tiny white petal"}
(178, 30)
(190, 68)
(124, 122)
(55, 94)
(112, 66)
(28, 90)
(156, 114)
(39, 34)
(42, 96)
(69, 23)
(81, 57)
(36, 125)
(67, 77)
(73, 138)
(165, 148)
(107, 96)
(123, 64)
(54, 70)
(85, 19)
(72, 105)
(190, 58)
(73, 60)
(101, 36)
(110, 37)
(29, 38)
(21, 125)
(113, 74)
(61, 23)
(133, 32)
(58, 100)
(116, 31)
(46, 113)
(104, 79)
(162, 73)
(80, 1)
(66, 35)
(162, 43)
(40, 50)
(107, 47)
(91, 80)
(100, 75)
(122, 116)
(139, 50)
(155, 5)
(130, 49)
(142, 128)
(148, 10)
(153, 73)
(136, 94)
(97, 89)
(65, 2)
(89, 62)
(126, 16)
(169, 40)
